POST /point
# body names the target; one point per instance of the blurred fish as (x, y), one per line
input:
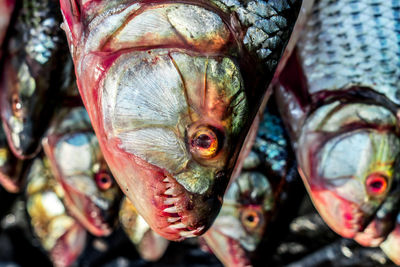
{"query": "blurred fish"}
(172, 88)
(91, 194)
(339, 93)
(32, 74)
(60, 234)
(240, 225)
(148, 243)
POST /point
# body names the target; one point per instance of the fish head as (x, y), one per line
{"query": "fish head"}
(29, 88)
(241, 224)
(170, 120)
(347, 155)
(91, 193)
(148, 243)
(59, 234)
(20, 99)
(75, 157)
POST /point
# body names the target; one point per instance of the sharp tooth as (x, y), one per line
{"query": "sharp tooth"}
(177, 226)
(170, 201)
(171, 210)
(166, 180)
(170, 192)
(188, 233)
(173, 219)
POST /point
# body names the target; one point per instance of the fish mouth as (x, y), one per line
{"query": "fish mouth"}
(84, 209)
(343, 216)
(174, 198)
(228, 250)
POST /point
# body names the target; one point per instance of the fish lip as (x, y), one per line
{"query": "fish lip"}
(23, 152)
(236, 256)
(173, 214)
(346, 219)
(88, 214)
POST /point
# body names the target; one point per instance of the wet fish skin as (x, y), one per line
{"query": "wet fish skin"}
(338, 94)
(91, 194)
(148, 243)
(32, 74)
(170, 104)
(61, 236)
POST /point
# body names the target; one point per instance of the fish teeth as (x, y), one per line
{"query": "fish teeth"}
(172, 209)
(191, 233)
(170, 191)
(173, 219)
(166, 180)
(170, 201)
(177, 226)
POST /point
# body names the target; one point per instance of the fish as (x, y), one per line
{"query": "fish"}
(171, 88)
(60, 234)
(32, 74)
(241, 223)
(91, 194)
(339, 96)
(149, 245)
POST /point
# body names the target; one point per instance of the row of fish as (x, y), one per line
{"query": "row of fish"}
(171, 109)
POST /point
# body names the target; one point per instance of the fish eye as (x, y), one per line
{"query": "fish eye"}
(103, 180)
(250, 219)
(204, 143)
(376, 184)
(16, 105)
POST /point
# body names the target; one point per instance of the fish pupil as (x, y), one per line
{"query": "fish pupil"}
(250, 218)
(376, 185)
(203, 141)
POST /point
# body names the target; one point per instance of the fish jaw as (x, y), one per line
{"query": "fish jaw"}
(227, 249)
(167, 207)
(149, 244)
(69, 246)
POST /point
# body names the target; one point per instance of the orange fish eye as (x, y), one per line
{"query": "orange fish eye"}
(16, 105)
(103, 180)
(204, 143)
(376, 184)
(250, 219)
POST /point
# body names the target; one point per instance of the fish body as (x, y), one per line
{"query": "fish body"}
(339, 94)
(32, 74)
(91, 194)
(171, 88)
(61, 236)
(148, 243)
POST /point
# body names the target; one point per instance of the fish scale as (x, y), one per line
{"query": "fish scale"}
(353, 42)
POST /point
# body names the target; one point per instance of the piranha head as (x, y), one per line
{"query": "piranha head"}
(91, 194)
(148, 243)
(168, 106)
(59, 234)
(240, 225)
(347, 154)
